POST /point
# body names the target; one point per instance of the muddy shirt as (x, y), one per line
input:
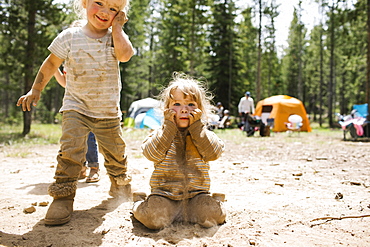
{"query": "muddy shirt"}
(181, 168)
(93, 79)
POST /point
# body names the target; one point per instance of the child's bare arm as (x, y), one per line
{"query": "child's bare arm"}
(61, 78)
(46, 71)
(122, 45)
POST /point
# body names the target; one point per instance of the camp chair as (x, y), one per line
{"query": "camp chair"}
(294, 123)
(356, 123)
(268, 123)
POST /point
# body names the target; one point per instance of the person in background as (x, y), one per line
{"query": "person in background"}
(92, 159)
(220, 110)
(91, 54)
(246, 107)
(225, 122)
(181, 150)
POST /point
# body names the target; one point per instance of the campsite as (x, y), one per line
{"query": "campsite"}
(279, 108)
(301, 183)
(299, 189)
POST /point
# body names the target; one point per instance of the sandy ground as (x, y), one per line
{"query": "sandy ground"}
(309, 189)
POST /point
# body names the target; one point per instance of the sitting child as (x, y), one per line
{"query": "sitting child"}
(181, 150)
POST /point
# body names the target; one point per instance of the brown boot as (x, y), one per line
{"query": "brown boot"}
(60, 211)
(120, 186)
(61, 208)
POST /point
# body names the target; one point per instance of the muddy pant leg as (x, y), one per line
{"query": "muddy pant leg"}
(71, 155)
(108, 134)
(70, 158)
(156, 212)
(205, 211)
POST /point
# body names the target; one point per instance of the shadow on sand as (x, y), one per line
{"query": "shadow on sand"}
(70, 234)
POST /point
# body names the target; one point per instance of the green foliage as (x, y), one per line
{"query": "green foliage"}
(135, 73)
(271, 65)
(27, 28)
(315, 88)
(224, 64)
(247, 36)
(345, 85)
(180, 39)
(293, 61)
(211, 39)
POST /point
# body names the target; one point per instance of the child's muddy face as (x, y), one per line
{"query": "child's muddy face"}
(183, 105)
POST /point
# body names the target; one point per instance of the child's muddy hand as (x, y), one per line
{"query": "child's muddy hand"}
(120, 19)
(169, 114)
(195, 116)
(32, 97)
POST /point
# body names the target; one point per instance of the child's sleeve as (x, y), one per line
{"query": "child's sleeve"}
(209, 145)
(156, 145)
(61, 44)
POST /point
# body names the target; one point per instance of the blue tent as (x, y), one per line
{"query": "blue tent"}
(137, 113)
(152, 119)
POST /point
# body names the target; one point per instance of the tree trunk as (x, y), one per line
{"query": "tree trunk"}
(258, 96)
(27, 116)
(331, 77)
(368, 61)
(300, 47)
(321, 77)
(192, 40)
(6, 97)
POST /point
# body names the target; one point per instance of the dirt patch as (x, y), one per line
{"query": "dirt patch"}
(309, 189)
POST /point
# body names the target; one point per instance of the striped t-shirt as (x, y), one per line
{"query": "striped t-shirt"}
(93, 79)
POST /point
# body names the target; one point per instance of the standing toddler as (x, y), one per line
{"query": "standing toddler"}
(91, 55)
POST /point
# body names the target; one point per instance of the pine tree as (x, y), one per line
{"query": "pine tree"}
(135, 73)
(271, 78)
(223, 65)
(248, 58)
(292, 62)
(28, 28)
(181, 38)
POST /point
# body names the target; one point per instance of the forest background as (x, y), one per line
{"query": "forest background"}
(230, 46)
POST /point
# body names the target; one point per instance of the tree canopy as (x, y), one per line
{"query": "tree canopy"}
(231, 47)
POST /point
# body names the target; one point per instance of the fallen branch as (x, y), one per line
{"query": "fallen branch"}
(342, 217)
(327, 219)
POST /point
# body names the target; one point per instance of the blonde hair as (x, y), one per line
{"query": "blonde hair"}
(81, 12)
(191, 88)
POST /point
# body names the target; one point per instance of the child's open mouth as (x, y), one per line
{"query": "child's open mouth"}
(101, 18)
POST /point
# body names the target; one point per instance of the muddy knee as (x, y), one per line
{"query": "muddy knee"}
(206, 211)
(156, 212)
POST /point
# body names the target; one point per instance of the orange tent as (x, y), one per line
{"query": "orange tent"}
(280, 108)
